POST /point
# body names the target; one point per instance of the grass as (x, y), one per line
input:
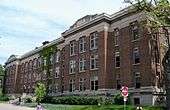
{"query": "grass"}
(89, 107)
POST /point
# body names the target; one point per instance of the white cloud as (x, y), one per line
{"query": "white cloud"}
(26, 23)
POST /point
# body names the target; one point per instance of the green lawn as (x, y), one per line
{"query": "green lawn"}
(89, 107)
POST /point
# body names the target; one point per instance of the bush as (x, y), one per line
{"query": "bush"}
(28, 100)
(4, 98)
(118, 99)
(72, 100)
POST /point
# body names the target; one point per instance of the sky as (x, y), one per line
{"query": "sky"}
(25, 24)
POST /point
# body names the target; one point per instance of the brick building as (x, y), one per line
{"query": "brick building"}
(96, 55)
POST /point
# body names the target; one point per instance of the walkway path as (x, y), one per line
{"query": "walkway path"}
(4, 106)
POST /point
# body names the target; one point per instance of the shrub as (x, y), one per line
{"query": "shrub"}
(40, 92)
(118, 99)
(4, 98)
(28, 100)
(72, 100)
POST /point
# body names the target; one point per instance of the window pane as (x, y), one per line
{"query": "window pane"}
(92, 85)
(96, 85)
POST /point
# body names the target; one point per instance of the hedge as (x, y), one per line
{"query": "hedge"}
(72, 100)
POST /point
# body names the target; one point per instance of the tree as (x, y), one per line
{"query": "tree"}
(1, 70)
(40, 92)
(159, 10)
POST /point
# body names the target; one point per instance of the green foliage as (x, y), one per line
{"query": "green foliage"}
(118, 99)
(28, 100)
(72, 100)
(4, 97)
(1, 70)
(158, 9)
(46, 54)
(40, 92)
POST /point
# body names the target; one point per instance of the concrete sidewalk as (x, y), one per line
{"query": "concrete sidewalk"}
(5, 106)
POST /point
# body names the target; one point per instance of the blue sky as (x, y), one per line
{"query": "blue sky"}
(25, 24)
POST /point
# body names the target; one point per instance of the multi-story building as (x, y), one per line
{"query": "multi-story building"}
(96, 55)
(1, 79)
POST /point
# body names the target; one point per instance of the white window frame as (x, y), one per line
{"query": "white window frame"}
(95, 58)
(72, 48)
(82, 84)
(94, 40)
(57, 56)
(51, 58)
(137, 75)
(57, 72)
(72, 66)
(82, 61)
(94, 79)
(116, 36)
(45, 61)
(82, 43)
(136, 50)
(116, 55)
(73, 87)
(135, 27)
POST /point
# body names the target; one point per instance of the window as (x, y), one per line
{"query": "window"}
(72, 48)
(136, 56)
(57, 56)
(117, 60)
(94, 83)
(45, 72)
(81, 64)
(45, 61)
(72, 85)
(50, 72)
(57, 72)
(94, 62)
(50, 88)
(116, 36)
(39, 62)
(30, 65)
(135, 31)
(82, 84)
(34, 63)
(51, 59)
(56, 89)
(93, 40)
(118, 82)
(72, 66)
(82, 44)
(137, 80)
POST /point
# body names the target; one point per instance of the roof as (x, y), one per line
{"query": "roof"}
(32, 52)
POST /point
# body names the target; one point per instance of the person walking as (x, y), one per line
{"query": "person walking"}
(39, 107)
